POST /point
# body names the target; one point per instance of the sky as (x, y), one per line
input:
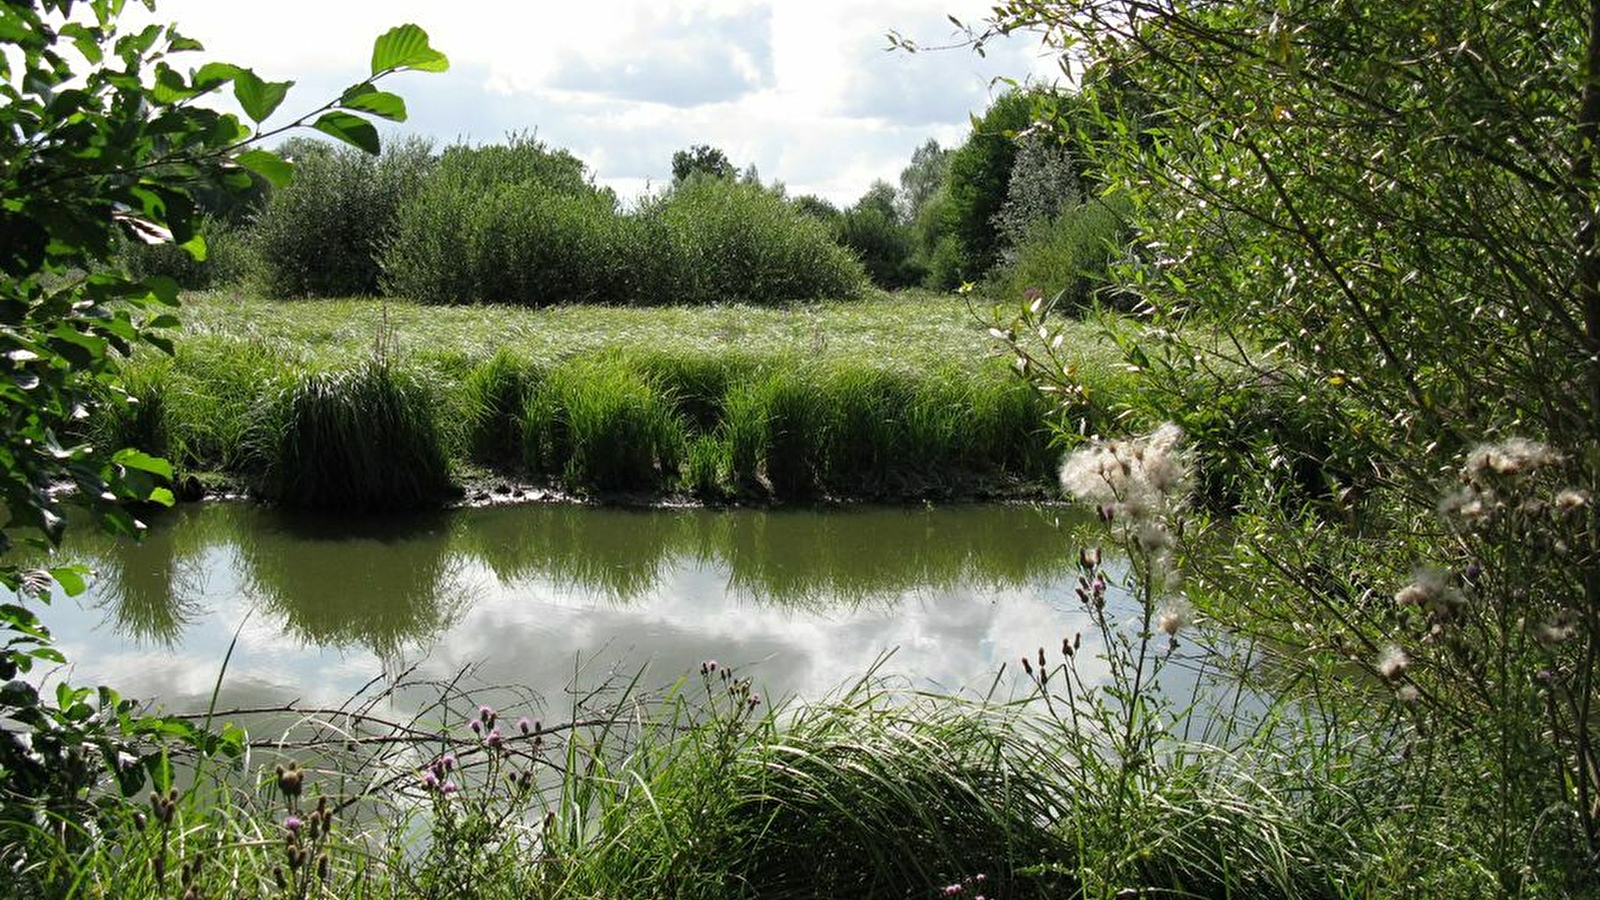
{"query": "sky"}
(803, 89)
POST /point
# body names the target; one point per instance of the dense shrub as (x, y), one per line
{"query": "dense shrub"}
(513, 223)
(230, 258)
(883, 244)
(321, 234)
(720, 241)
(1067, 255)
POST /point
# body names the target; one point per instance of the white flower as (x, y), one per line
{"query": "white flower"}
(1571, 498)
(1393, 662)
(1513, 456)
(1173, 618)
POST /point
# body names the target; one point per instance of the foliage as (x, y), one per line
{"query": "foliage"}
(1394, 209)
(923, 179)
(1067, 257)
(103, 141)
(817, 208)
(712, 240)
(229, 258)
(511, 223)
(978, 180)
(882, 243)
(1043, 186)
(703, 159)
(321, 234)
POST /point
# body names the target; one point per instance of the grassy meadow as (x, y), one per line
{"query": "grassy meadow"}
(894, 396)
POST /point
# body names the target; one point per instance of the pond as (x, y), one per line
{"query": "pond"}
(554, 597)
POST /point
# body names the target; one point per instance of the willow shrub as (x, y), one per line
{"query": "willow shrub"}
(520, 225)
(320, 235)
(724, 241)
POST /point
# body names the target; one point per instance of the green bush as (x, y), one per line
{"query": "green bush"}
(321, 234)
(1068, 255)
(230, 258)
(719, 241)
(885, 247)
(514, 224)
(362, 439)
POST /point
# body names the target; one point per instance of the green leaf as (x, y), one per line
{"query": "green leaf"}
(196, 248)
(144, 462)
(162, 495)
(214, 74)
(71, 579)
(406, 47)
(258, 98)
(351, 129)
(164, 288)
(268, 165)
(379, 103)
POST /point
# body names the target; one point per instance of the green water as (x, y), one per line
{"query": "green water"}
(548, 598)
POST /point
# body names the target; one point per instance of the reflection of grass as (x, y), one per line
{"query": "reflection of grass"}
(387, 583)
(378, 583)
(150, 589)
(790, 557)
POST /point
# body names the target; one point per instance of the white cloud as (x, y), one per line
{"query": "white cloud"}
(806, 92)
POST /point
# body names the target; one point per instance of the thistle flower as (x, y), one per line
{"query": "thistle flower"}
(1174, 618)
(493, 738)
(524, 726)
(1393, 662)
(1408, 694)
(1513, 456)
(293, 824)
(1570, 498)
(1130, 478)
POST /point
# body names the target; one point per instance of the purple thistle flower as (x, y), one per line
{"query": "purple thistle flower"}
(476, 726)
(448, 788)
(952, 890)
(430, 781)
(493, 739)
(293, 823)
(449, 760)
(523, 725)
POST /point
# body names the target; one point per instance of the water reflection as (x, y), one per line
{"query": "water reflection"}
(542, 596)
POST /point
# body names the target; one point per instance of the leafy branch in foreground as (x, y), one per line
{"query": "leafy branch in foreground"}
(101, 137)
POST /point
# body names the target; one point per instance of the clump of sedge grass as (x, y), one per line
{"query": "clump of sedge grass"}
(362, 439)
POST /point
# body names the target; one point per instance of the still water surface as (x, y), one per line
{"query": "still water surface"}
(546, 596)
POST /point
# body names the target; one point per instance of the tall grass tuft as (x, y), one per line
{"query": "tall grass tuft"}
(744, 430)
(607, 427)
(796, 435)
(360, 439)
(495, 395)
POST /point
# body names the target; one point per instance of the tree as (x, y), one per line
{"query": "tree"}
(100, 137)
(980, 173)
(1393, 212)
(922, 179)
(704, 159)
